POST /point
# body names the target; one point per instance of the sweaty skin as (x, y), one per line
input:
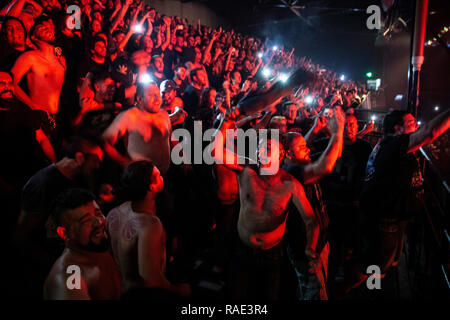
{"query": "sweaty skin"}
(264, 200)
(148, 135)
(227, 184)
(100, 277)
(45, 77)
(147, 130)
(44, 68)
(85, 261)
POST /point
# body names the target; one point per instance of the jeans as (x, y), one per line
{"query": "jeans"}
(382, 242)
(310, 286)
(392, 234)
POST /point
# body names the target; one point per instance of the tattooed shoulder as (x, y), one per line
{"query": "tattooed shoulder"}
(113, 221)
(135, 223)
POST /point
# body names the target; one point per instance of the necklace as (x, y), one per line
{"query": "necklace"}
(58, 57)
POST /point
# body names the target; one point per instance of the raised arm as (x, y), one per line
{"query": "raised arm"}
(118, 6)
(325, 164)
(429, 132)
(4, 11)
(256, 68)
(368, 128)
(166, 43)
(210, 44)
(262, 101)
(14, 8)
(227, 64)
(150, 26)
(130, 32)
(319, 123)
(220, 152)
(121, 15)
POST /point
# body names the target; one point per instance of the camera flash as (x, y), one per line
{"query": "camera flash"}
(145, 79)
(137, 28)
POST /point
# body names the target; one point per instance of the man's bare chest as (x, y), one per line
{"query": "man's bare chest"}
(153, 126)
(48, 70)
(265, 194)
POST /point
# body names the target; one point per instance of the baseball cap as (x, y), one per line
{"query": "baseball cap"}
(167, 85)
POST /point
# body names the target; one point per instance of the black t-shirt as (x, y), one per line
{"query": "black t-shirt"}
(158, 80)
(88, 65)
(188, 54)
(215, 80)
(179, 57)
(191, 101)
(42, 189)
(295, 233)
(395, 185)
(343, 186)
(97, 121)
(181, 88)
(37, 198)
(8, 56)
(169, 62)
(22, 155)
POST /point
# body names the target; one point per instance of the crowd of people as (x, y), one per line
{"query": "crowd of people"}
(90, 94)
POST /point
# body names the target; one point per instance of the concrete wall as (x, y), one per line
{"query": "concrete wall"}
(192, 11)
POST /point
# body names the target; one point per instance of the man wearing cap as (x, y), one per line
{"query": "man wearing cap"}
(171, 103)
(44, 68)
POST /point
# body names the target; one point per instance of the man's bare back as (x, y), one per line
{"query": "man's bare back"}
(264, 201)
(100, 277)
(45, 77)
(138, 242)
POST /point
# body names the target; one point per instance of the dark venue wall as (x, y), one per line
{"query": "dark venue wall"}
(191, 10)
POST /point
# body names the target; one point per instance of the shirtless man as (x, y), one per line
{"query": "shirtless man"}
(82, 226)
(147, 129)
(265, 194)
(138, 236)
(44, 68)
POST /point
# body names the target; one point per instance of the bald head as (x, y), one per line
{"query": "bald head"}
(150, 97)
